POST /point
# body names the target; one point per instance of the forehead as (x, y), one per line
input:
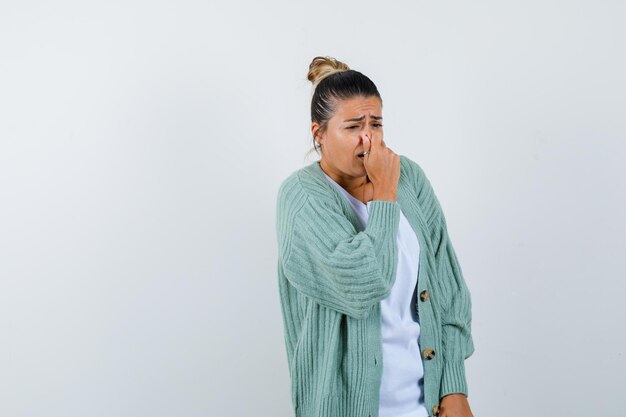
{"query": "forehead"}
(358, 106)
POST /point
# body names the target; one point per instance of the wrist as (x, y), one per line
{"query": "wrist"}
(385, 196)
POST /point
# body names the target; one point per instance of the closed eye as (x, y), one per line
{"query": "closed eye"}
(375, 124)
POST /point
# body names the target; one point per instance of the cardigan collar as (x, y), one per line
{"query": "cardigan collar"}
(406, 196)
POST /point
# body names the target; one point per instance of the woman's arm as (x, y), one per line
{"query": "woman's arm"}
(323, 256)
(456, 315)
(454, 298)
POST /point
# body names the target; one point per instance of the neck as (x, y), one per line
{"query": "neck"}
(350, 184)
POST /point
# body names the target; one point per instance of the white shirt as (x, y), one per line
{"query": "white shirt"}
(402, 384)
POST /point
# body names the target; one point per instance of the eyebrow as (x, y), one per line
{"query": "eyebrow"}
(358, 119)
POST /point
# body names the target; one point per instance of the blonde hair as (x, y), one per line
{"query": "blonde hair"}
(324, 66)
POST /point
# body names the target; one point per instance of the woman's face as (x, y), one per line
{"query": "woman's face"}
(343, 139)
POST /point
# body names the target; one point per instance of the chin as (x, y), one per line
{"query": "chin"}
(362, 170)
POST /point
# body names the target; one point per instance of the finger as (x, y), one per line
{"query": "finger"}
(376, 141)
(367, 144)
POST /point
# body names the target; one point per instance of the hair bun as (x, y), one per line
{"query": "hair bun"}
(323, 66)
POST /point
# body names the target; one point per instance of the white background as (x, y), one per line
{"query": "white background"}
(142, 144)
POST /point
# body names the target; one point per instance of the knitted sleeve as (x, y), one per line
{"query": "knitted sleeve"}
(453, 295)
(456, 315)
(324, 257)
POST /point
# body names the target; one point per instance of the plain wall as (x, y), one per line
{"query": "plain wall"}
(142, 145)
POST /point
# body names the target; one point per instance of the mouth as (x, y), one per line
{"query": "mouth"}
(360, 156)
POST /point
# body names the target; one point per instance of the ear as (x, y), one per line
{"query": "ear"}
(315, 131)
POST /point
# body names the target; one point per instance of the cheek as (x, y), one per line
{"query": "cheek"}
(348, 145)
(350, 137)
(345, 142)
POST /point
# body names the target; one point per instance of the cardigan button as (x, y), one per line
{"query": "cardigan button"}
(424, 295)
(436, 409)
(428, 353)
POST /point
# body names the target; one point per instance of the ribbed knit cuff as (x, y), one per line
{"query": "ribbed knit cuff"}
(383, 216)
(453, 379)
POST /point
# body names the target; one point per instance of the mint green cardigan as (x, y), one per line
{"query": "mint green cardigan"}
(332, 274)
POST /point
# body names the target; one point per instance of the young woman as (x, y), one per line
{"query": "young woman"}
(377, 315)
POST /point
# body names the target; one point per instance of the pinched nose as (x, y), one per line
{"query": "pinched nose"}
(366, 141)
